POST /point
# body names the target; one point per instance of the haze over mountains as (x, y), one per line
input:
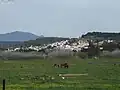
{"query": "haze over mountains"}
(18, 36)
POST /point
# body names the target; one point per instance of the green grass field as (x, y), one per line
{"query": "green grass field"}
(28, 74)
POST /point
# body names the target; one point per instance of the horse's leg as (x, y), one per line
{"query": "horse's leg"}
(55, 65)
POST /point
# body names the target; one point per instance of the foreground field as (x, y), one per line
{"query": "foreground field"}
(90, 74)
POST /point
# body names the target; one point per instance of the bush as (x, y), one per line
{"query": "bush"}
(61, 53)
(82, 55)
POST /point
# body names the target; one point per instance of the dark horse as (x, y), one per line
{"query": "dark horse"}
(65, 65)
(56, 65)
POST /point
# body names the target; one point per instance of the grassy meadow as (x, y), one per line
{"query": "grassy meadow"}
(101, 74)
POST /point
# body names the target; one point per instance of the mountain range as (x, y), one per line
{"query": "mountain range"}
(18, 36)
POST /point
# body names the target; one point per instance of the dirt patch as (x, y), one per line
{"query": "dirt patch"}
(73, 75)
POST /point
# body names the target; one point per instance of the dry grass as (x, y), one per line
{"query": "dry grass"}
(73, 75)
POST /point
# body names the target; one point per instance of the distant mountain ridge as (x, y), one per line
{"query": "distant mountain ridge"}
(18, 36)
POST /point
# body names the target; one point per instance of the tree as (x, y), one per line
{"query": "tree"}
(93, 50)
(110, 46)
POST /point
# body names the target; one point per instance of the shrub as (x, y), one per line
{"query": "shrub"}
(82, 55)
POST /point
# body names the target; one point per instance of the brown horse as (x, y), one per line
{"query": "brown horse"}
(64, 65)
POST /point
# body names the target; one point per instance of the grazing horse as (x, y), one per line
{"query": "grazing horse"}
(56, 65)
(65, 65)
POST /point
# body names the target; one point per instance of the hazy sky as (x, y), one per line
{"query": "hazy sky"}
(60, 17)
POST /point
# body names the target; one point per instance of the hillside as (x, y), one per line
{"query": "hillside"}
(102, 35)
(45, 40)
(18, 36)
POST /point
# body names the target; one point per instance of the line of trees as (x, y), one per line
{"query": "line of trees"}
(102, 35)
